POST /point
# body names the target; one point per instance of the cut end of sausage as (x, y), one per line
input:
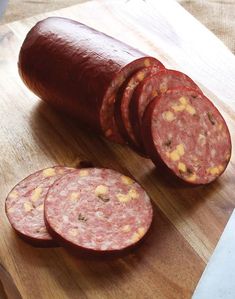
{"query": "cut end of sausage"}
(98, 211)
(122, 105)
(108, 123)
(25, 205)
(151, 87)
(183, 130)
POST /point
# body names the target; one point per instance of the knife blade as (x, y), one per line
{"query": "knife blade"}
(218, 279)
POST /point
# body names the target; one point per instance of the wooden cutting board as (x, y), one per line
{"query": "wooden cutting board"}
(188, 221)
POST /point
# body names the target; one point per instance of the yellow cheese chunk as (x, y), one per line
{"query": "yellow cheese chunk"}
(174, 155)
(178, 108)
(138, 235)
(168, 116)
(36, 194)
(126, 180)
(48, 172)
(215, 170)
(13, 194)
(182, 167)
(74, 196)
(126, 228)
(101, 189)
(135, 237)
(177, 153)
(192, 177)
(140, 76)
(184, 105)
(133, 194)
(123, 197)
(28, 206)
(190, 109)
(180, 149)
(183, 101)
(141, 231)
(83, 172)
(146, 63)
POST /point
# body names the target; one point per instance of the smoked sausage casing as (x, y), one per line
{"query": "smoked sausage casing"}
(78, 70)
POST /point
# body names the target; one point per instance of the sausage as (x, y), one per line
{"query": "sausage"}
(123, 101)
(184, 132)
(78, 70)
(97, 211)
(147, 90)
(25, 205)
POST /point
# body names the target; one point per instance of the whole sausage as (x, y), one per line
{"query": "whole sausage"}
(184, 132)
(78, 70)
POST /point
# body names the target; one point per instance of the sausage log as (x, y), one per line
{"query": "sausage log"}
(79, 70)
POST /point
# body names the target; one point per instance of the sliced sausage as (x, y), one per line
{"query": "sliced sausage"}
(147, 90)
(97, 211)
(79, 70)
(184, 131)
(25, 205)
(123, 101)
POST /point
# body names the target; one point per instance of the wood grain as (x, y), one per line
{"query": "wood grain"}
(8, 288)
(188, 221)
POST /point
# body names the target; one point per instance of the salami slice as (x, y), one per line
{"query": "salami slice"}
(183, 130)
(97, 211)
(25, 205)
(147, 90)
(79, 70)
(123, 101)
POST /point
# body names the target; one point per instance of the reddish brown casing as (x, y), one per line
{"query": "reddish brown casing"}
(78, 70)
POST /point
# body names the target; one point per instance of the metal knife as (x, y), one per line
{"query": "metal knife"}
(218, 279)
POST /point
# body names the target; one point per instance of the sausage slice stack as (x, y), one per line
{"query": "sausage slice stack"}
(127, 96)
(90, 210)
(25, 205)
